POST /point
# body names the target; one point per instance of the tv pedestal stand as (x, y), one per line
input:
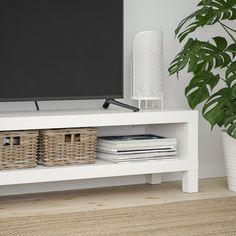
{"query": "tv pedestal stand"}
(114, 102)
(106, 105)
(37, 105)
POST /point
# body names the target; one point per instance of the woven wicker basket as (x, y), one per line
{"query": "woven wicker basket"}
(18, 149)
(61, 147)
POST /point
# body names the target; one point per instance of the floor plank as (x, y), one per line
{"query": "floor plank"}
(108, 198)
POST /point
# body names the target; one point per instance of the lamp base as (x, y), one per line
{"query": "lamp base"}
(149, 103)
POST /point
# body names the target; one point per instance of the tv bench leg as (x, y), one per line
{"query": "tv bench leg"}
(153, 179)
(190, 181)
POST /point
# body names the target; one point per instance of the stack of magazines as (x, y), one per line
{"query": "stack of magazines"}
(133, 148)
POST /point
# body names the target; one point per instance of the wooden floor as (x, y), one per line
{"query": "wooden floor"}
(107, 198)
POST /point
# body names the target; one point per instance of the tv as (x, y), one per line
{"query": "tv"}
(61, 49)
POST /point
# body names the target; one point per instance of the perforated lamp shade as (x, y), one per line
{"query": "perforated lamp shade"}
(147, 66)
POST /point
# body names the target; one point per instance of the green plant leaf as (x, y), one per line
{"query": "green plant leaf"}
(198, 89)
(185, 20)
(201, 56)
(229, 120)
(233, 89)
(232, 48)
(221, 43)
(230, 125)
(209, 12)
(230, 80)
(232, 130)
(231, 69)
(216, 107)
(192, 63)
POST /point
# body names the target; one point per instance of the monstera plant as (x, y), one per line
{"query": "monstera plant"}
(203, 59)
(212, 66)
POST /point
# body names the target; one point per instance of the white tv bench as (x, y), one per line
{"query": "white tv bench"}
(180, 124)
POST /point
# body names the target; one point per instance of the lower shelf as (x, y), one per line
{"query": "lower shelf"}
(100, 169)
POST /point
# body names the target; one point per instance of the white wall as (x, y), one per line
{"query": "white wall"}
(150, 15)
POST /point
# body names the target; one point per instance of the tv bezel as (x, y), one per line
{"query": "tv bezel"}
(120, 96)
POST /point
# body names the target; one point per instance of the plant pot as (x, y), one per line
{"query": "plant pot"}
(229, 145)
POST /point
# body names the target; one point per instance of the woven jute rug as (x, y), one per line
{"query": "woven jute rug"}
(200, 217)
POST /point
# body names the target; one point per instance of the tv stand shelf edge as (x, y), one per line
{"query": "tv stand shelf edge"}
(181, 124)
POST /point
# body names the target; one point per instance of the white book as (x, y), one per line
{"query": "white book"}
(137, 151)
(115, 160)
(135, 156)
(132, 148)
(134, 142)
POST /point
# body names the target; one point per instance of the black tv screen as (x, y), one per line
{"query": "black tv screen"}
(61, 49)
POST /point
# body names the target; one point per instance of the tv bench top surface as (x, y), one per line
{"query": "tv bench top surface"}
(91, 112)
(91, 118)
